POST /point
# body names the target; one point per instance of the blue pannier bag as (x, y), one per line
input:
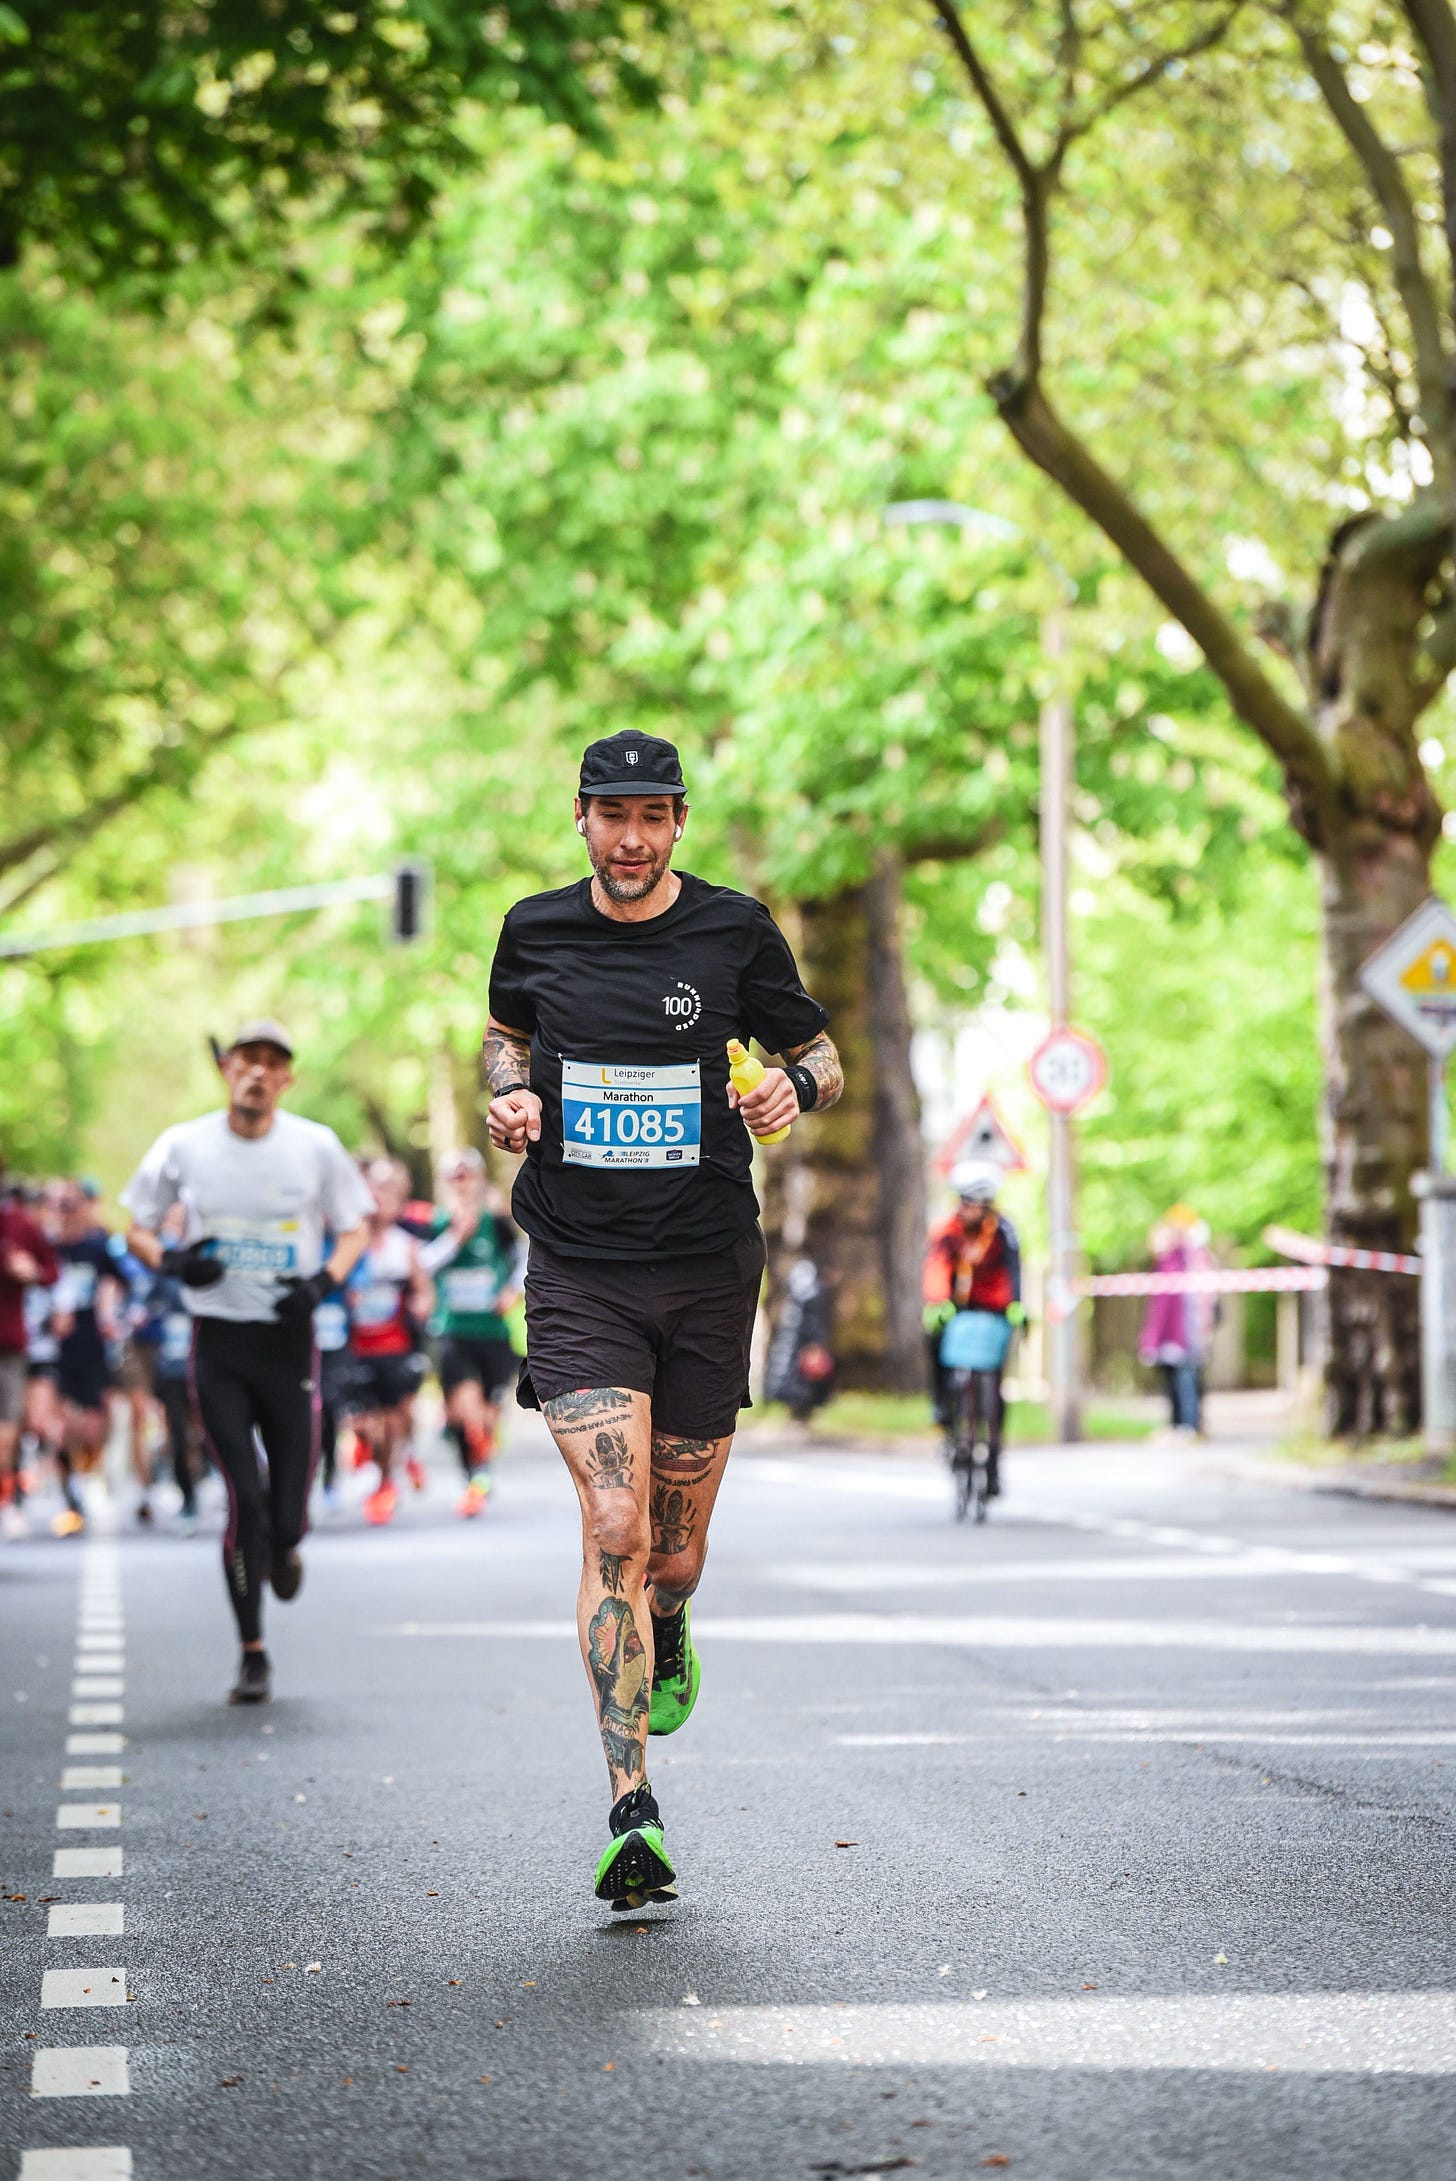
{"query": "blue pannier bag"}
(975, 1340)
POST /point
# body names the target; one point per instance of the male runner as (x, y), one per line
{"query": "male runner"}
(387, 1297)
(611, 1004)
(89, 1296)
(474, 1255)
(27, 1263)
(259, 1186)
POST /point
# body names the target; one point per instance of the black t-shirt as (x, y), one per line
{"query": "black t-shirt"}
(641, 1155)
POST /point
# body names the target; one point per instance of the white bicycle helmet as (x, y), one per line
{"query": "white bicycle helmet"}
(976, 1181)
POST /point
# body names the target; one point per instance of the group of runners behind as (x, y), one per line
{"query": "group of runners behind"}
(92, 1338)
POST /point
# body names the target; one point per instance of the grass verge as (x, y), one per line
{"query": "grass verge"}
(907, 1416)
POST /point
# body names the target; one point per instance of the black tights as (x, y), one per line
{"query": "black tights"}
(259, 1377)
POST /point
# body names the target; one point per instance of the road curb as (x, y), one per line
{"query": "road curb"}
(1292, 1477)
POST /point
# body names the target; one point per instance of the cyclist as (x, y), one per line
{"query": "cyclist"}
(611, 1004)
(388, 1297)
(260, 1186)
(972, 1262)
(476, 1259)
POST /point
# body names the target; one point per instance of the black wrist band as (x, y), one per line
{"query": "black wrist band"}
(507, 1089)
(806, 1090)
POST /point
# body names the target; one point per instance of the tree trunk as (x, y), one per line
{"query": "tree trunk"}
(1375, 1136)
(846, 1190)
(899, 1152)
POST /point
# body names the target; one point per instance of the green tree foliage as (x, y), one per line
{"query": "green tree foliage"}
(133, 136)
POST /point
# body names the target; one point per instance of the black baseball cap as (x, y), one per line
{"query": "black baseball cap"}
(631, 763)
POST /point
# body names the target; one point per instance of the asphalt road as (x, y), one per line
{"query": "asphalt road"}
(1111, 1842)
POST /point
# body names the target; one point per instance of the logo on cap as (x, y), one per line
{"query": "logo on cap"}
(631, 756)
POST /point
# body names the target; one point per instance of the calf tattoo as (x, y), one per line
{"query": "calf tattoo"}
(609, 1571)
(618, 1661)
(674, 1519)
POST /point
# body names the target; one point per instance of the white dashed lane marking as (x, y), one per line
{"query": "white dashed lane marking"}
(85, 1920)
(95, 1745)
(83, 1988)
(86, 1863)
(88, 2162)
(82, 1816)
(91, 1775)
(96, 1715)
(80, 2071)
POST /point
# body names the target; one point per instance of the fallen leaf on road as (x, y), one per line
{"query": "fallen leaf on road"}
(231, 2082)
(452, 1980)
(997, 2158)
(348, 2082)
(399, 2002)
(1221, 1960)
(980, 1994)
(846, 1843)
(1089, 1987)
(432, 1896)
(485, 2078)
(608, 2066)
(312, 1968)
(529, 1985)
(990, 2038)
(691, 1999)
(501, 2021)
(401, 2071)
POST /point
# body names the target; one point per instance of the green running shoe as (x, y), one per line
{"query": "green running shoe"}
(634, 1869)
(676, 1672)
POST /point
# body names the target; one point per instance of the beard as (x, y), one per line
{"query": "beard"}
(617, 888)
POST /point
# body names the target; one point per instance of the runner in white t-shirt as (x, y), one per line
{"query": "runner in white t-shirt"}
(259, 1188)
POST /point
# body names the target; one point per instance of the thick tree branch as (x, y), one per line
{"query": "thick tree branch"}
(162, 769)
(1060, 455)
(1435, 29)
(1382, 171)
(1154, 71)
(1032, 181)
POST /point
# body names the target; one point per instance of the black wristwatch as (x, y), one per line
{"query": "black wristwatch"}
(806, 1090)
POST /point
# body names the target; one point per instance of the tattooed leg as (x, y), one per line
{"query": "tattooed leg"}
(605, 1437)
(686, 1474)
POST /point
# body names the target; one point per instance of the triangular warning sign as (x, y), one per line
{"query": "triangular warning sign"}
(982, 1135)
(1432, 975)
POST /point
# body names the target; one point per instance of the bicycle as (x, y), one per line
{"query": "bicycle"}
(978, 1407)
(973, 1351)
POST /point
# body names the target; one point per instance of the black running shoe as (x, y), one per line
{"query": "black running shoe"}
(635, 1868)
(254, 1684)
(286, 1573)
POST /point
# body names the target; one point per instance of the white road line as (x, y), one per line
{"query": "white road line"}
(83, 1988)
(87, 2162)
(1012, 1633)
(98, 1685)
(80, 2071)
(87, 1863)
(75, 1817)
(1336, 2033)
(85, 1920)
(95, 1745)
(92, 1775)
(96, 1715)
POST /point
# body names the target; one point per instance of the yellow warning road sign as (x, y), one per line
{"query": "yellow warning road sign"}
(1413, 976)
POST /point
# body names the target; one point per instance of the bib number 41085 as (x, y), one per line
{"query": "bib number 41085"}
(626, 1125)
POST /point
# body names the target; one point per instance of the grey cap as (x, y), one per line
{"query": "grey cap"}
(263, 1031)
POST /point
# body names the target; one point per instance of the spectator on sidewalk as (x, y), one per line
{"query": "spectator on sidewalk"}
(1177, 1333)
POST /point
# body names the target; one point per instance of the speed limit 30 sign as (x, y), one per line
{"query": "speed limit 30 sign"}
(1067, 1070)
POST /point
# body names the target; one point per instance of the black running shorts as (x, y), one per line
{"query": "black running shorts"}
(678, 1330)
(372, 1383)
(489, 1364)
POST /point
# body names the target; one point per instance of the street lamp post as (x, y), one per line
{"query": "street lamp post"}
(1057, 744)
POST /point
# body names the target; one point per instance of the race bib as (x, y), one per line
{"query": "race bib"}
(616, 1117)
(469, 1290)
(374, 1303)
(266, 1246)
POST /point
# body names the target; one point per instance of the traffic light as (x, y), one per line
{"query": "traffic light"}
(411, 895)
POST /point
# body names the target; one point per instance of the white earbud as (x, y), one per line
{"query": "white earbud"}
(677, 832)
(581, 827)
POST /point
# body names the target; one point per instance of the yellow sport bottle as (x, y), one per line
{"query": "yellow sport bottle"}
(745, 1073)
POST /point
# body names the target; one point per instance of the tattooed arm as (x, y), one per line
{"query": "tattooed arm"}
(820, 1060)
(777, 1101)
(514, 1118)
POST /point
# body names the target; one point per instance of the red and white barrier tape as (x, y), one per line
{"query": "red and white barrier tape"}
(1307, 1251)
(1263, 1280)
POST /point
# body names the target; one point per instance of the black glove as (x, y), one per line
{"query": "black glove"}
(300, 1298)
(192, 1266)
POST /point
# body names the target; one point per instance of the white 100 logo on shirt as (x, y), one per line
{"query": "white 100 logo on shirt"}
(683, 1005)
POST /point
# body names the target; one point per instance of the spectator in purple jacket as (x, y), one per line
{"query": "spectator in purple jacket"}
(1177, 1331)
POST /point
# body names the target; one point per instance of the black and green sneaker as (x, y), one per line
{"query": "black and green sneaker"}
(676, 1673)
(635, 1868)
